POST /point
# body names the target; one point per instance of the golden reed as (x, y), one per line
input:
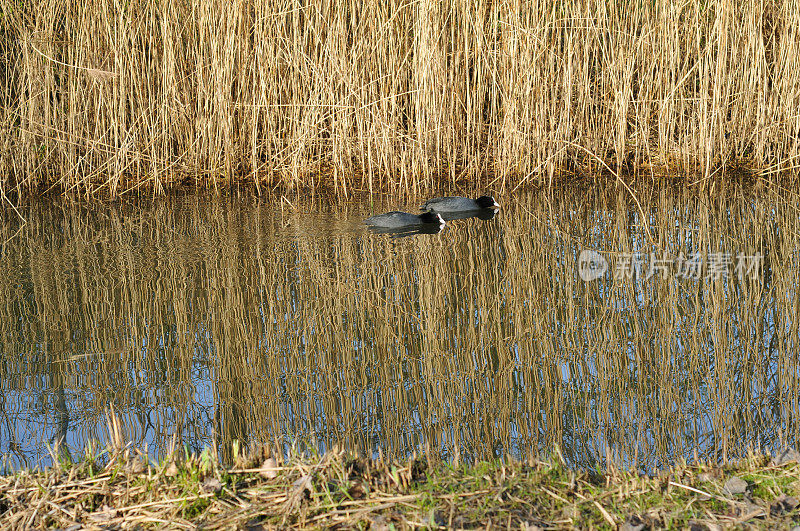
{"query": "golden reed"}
(397, 96)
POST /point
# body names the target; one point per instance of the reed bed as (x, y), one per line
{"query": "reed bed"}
(110, 98)
(236, 320)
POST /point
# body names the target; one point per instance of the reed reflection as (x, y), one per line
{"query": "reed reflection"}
(230, 320)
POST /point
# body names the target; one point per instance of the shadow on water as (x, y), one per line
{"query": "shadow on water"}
(231, 320)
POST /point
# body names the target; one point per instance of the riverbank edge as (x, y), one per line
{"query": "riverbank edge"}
(117, 489)
(634, 185)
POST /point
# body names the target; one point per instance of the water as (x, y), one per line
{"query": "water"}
(205, 320)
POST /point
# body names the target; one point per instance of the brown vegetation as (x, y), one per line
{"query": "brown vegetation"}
(125, 490)
(394, 96)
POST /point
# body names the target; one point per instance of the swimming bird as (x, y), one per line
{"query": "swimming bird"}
(404, 232)
(400, 220)
(459, 204)
(484, 214)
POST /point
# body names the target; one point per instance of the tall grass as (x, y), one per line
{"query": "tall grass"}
(392, 96)
(241, 322)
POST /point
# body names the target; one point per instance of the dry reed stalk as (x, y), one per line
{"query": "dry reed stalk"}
(340, 490)
(400, 97)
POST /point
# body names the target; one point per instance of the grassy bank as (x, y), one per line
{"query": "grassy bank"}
(391, 96)
(126, 490)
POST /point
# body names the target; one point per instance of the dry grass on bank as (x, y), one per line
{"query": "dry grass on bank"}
(343, 492)
(112, 97)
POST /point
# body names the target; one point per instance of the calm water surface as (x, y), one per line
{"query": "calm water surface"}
(213, 320)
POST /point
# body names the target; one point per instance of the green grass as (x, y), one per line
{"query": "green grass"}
(340, 490)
